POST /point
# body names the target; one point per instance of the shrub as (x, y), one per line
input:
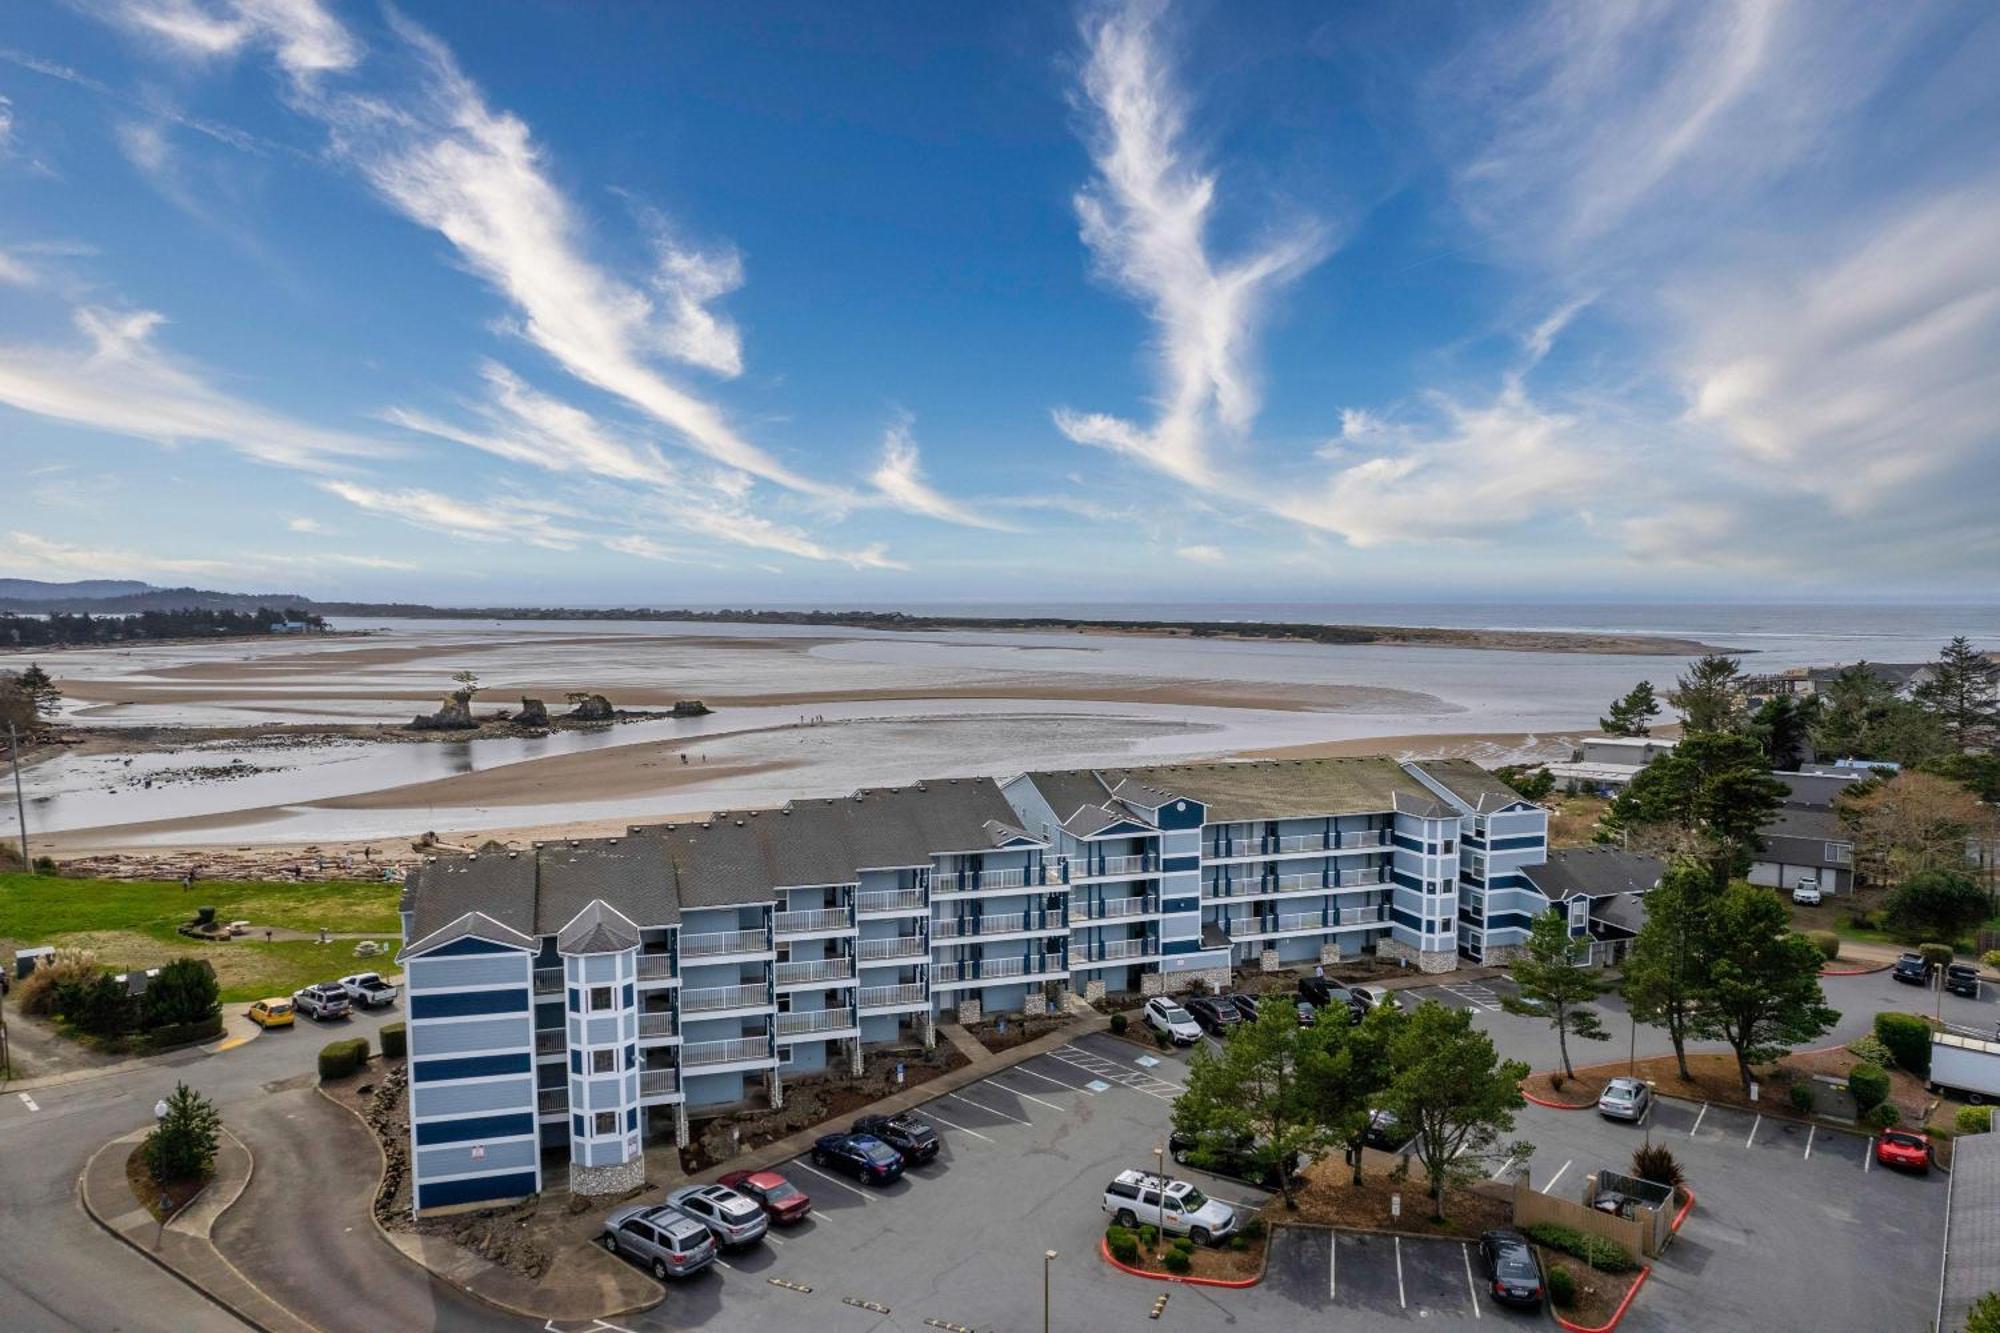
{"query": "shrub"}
(1604, 1255)
(1991, 958)
(1161, 1040)
(1803, 1096)
(1864, 920)
(1656, 1162)
(1123, 1245)
(1254, 1229)
(1908, 1038)
(1826, 942)
(1937, 955)
(338, 1059)
(1884, 1116)
(1870, 1086)
(1177, 1261)
(185, 993)
(100, 1006)
(1984, 1316)
(1149, 1235)
(1183, 1244)
(182, 1146)
(1869, 1049)
(1238, 1244)
(1974, 1120)
(395, 1041)
(183, 1034)
(1118, 1024)
(1562, 1287)
(38, 989)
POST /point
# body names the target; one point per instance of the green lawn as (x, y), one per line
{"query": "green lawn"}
(132, 925)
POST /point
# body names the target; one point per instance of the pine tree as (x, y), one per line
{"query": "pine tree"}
(1632, 715)
(40, 689)
(1963, 695)
(1550, 977)
(1709, 695)
(182, 1146)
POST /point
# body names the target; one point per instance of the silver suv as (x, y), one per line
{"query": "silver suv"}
(668, 1242)
(731, 1218)
(1174, 1206)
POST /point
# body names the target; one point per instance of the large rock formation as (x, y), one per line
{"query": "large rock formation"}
(534, 713)
(454, 714)
(690, 708)
(592, 708)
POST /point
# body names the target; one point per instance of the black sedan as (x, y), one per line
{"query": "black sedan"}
(915, 1140)
(1513, 1273)
(1216, 1016)
(1228, 1156)
(862, 1156)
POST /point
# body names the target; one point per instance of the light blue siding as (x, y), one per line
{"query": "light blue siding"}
(444, 973)
(472, 1034)
(514, 1155)
(429, 1099)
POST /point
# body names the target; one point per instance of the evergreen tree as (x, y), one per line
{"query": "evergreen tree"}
(1535, 783)
(1709, 795)
(40, 689)
(1963, 695)
(1632, 715)
(184, 992)
(1455, 1094)
(1550, 976)
(1348, 1081)
(1260, 1091)
(1671, 953)
(1761, 993)
(182, 1146)
(1783, 726)
(1709, 694)
(1861, 717)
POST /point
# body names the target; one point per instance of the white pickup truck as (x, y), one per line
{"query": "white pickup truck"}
(368, 990)
(1174, 1206)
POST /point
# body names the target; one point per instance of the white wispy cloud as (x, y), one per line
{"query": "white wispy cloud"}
(1202, 554)
(301, 523)
(31, 553)
(303, 38)
(900, 480)
(492, 520)
(121, 381)
(1145, 219)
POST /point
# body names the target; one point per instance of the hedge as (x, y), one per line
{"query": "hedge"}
(1562, 1287)
(395, 1041)
(1908, 1038)
(1974, 1119)
(181, 1034)
(1604, 1255)
(1885, 1116)
(1177, 1261)
(338, 1059)
(1124, 1246)
(1870, 1086)
(1826, 942)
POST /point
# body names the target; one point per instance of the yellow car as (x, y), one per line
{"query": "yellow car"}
(272, 1013)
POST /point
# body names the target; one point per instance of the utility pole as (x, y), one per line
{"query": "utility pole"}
(20, 806)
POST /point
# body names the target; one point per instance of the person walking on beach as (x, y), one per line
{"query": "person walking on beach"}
(187, 880)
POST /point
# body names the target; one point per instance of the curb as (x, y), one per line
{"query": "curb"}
(1557, 1106)
(1853, 971)
(1638, 1282)
(382, 1170)
(1234, 1284)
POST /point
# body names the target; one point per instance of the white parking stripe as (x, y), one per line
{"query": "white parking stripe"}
(981, 1106)
(960, 1128)
(1332, 1260)
(1868, 1158)
(1751, 1137)
(817, 1218)
(1470, 1285)
(807, 1166)
(725, 1263)
(1697, 1120)
(1557, 1176)
(1023, 1069)
(778, 1241)
(1809, 1141)
(27, 1101)
(1506, 1166)
(1400, 1298)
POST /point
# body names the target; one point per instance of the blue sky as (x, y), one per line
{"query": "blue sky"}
(894, 303)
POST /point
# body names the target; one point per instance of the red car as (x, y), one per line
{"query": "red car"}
(780, 1198)
(1902, 1148)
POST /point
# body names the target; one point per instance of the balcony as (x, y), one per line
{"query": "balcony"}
(659, 1023)
(1113, 867)
(806, 1022)
(1105, 909)
(733, 1051)
(659, 1083)
(656, 967)
(1005, 923)
(1295, 844)
(988, 881)
(893, 997)
(551, 1101)
(819, 921)
(725, 942)
(1361, 916)
(894, 946)
(882, 902)
(548, 980)
(819, 970)
(720, 999)
(1357, 878)
(1363, 838)
(1112, 951)
(998, 969)
(551, 1041)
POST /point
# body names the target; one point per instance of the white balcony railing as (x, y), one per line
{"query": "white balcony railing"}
(1121, 949)
(659, 1082)
(660, 1024)
(993, 969)
(818, 969)
(654, 966)
(814, 1020)
(725, 942)
(982, 880)
(1087, 867)
(734, 1050)
(1300, 842)
(1373, 837)
(818, 919)
(889, 997)
(1358, 916)
(1003, 923)
(1114, 907)
(1356, 878)
(712, 998)
(894, 946)
(889, 900)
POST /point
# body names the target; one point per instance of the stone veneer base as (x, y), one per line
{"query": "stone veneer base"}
(592, 1180)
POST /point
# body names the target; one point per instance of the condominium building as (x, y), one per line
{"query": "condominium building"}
(582, 999)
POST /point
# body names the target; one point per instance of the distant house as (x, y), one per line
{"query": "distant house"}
(290, 627)
(1805, 839)
(1805, 682)
(1601, 892)
(1605, 764)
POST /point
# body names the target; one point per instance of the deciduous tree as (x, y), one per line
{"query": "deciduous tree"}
(1760, 992)
(1455, 1094)
(1912, 822)
(1550, 976)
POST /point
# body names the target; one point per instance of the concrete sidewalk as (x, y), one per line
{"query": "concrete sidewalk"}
(183, 1246)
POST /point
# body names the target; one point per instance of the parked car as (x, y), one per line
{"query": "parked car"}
(1384, 1132)
(1512, 1270)
(1912, 969)
(1165, 1016)
(1806, 893)
(322, 1001)
(1375, 996)
(862, 1156)
(1322, 992)
(908, 1135)
(730, 1217)
(1216, 1016)
(1174, 1206)
(273, 1013)
(1246, 1005)
(1231, 1156)
(668, 1242)
(782, 1201)
(1962, 979)
(1307, 1014)
(1904, 1149)
(1625, 1099)
(368, 990)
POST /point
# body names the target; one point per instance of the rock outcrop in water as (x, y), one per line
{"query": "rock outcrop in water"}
(534, 713)
(591, 708)
(690, 708)
(454, 714)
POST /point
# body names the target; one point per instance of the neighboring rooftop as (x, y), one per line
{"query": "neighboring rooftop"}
(1594, 872)
(1472, 784)
(1809, 822)
(1290, 788)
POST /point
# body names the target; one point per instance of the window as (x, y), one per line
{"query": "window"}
(604, 1062)
(784, 1056)
(1448, 845)
(1838, 853)
(605, 1122)
(600, 998)
(639, 1231)
(1579, 913)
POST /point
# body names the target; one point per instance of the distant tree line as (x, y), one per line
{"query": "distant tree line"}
(64, 629)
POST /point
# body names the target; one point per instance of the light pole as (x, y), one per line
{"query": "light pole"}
(1652, 1096)
(1048, 1257)
(20, 806)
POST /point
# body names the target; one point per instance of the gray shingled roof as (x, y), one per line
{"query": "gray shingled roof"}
(1972, 1259)
(1290, 788)
(721, 863)
(1595, 872)
(634, 875)
(1472, 784)
(598, 928)
(1798, 821)
(500, 885)
(469, 924)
